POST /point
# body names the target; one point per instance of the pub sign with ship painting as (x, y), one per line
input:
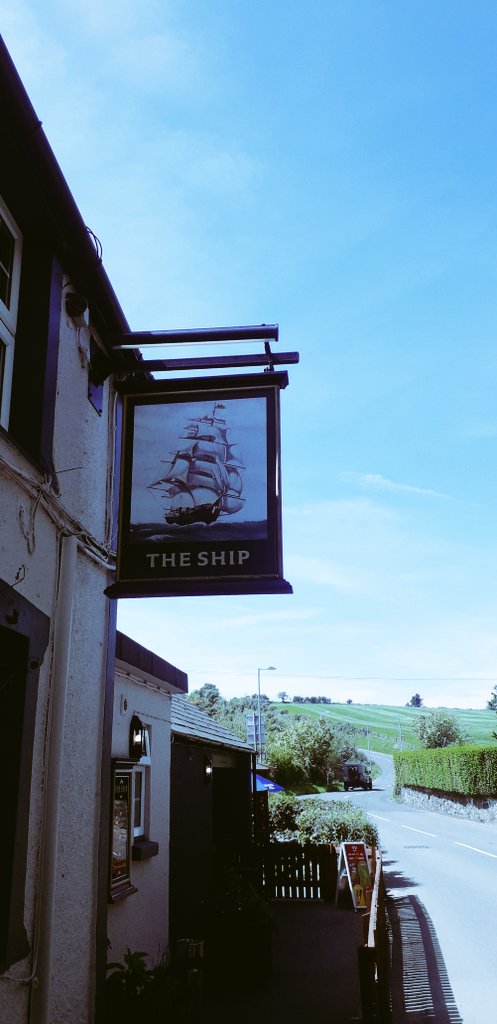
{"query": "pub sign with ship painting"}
(200, 503)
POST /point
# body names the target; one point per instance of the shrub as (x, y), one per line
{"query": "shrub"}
(283, 813)
(319, 821)
(469, 770)
(137, 992)
(439, 729)
(285, 766)
(334, 822)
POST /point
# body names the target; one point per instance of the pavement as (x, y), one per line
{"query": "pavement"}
(315, 977)
(314, 974)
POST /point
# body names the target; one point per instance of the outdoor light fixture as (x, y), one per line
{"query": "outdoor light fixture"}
(270, 668)
(208, 769)
(137, 745)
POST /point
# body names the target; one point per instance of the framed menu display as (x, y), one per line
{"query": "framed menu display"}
(120, 884)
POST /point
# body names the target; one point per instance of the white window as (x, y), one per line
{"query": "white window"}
(139, 792)
(141, 788)
(10, 275)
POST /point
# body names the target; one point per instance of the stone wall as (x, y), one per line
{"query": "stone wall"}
(475, 808)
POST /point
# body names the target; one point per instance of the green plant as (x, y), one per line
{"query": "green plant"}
(439, 729)
(130, 977)
(283, 813)
(135, 991)
(319, 821)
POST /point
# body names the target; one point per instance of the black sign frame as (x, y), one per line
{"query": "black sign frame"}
(120, 883)
(178, 553)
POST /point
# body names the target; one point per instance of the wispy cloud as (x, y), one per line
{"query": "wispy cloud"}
(309, 569)
(376, 482)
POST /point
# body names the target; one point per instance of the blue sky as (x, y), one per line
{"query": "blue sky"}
(330, 166)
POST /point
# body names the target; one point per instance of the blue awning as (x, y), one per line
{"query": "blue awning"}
(266, 784)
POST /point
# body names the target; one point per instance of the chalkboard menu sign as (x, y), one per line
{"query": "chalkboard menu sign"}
(120, 853)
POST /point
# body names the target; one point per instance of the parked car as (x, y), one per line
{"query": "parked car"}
(356, 775)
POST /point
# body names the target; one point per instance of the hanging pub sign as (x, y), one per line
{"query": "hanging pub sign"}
(200, 499)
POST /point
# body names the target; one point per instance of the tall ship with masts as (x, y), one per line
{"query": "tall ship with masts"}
(203, 479)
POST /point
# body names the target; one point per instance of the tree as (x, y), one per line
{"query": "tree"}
(415, 701)
(492, 702)
(208, 698)
(282, 696)
(492, 706)
(439, 729)
(312, 750)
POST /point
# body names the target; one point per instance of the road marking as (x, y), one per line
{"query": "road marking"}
(476, 850)
(420, 830)
(378, 816)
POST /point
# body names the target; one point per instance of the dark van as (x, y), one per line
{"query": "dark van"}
(356, 775)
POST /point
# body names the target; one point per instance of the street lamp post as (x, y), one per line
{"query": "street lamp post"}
(270, 668)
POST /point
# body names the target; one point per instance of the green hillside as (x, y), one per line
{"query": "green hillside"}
(388, 725)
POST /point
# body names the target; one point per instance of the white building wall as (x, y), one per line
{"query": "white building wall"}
(33, 521)
(141, 920)
(83, 438)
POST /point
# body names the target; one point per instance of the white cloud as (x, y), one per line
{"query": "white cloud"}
(373, 481)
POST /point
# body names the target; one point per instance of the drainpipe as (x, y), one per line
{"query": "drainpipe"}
(42, 985)
(105, 812)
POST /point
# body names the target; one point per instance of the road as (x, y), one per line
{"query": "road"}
(442, 875)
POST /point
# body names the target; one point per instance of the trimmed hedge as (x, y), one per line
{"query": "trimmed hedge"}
(470, 770)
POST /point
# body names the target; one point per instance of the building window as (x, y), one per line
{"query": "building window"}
(143, 846)
(139, 793)
(10, 274)
(141, 787)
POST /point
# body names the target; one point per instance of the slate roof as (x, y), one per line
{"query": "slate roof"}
(187, 720)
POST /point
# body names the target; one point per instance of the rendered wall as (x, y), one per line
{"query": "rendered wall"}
(140, 920)
(34, 520)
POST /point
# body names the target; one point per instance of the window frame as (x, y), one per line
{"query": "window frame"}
(8, 318)
(142, 768)
(138, 800)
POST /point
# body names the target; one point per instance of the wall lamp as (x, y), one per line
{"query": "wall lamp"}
(208, 769)
(137, 744)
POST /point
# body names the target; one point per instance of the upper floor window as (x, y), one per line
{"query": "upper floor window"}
(10, 273)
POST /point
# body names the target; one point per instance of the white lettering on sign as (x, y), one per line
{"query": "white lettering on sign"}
(183, 559)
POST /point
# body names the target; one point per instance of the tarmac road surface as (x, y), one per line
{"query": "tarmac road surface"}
(441, 873)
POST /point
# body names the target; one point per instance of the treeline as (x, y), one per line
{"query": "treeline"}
(303, 752)
(312, 700)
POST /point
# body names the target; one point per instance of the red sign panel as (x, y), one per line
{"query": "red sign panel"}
(354, 859)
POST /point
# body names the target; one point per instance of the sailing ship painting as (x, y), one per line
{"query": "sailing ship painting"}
(204, 478)
(200, 470)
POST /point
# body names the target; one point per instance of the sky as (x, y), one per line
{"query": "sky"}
(330, 167)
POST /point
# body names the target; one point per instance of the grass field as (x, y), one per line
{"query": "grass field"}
(390, 728)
